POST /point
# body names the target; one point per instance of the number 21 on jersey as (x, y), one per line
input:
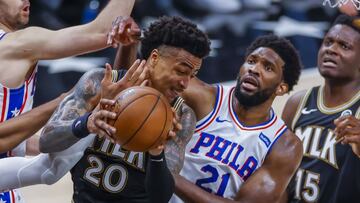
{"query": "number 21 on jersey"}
(214, 177)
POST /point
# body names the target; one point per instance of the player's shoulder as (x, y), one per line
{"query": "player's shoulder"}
(287, 150)
(295, 99)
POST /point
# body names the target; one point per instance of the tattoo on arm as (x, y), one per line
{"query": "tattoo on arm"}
(57, 133)
(175, 148)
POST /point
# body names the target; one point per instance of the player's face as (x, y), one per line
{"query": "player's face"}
(259, 77)
(171, 70)
(14, 13)
(338, 57)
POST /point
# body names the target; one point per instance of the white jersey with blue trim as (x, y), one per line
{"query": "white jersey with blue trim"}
(223, 153)
(13, 102)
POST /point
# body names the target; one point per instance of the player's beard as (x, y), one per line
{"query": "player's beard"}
(253, 100)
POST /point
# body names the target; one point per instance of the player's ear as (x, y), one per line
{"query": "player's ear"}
(282, 89)
(154, 58)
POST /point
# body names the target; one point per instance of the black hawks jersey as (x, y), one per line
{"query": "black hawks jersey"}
(329, 171)
(107, 173)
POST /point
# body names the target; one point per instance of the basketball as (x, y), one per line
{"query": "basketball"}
(144, 118)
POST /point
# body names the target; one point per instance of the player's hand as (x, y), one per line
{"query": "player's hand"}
(136, 75)
(125, 31)
(349, 8)
(97, 121)
(347, 131)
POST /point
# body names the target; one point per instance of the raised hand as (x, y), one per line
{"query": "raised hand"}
(347, 131)
(125, 31)
(135, 76)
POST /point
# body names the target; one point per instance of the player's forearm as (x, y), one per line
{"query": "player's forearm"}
(125, 56)
(159, 182)
(175, 148)
(58, 133)
(103, 22)
(57, 137)
(16, 130)
(190, 192)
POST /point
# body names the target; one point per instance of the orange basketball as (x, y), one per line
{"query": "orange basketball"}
(144, 118)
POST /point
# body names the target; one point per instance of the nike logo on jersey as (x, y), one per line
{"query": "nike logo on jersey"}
(221, 121)
(305, 111)
(77, 124)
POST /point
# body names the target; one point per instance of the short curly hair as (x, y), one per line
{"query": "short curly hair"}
(287, 52)
(351, 21)
(175, 32)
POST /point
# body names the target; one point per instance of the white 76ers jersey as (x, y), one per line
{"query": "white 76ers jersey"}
(223, 153)
(13, 102)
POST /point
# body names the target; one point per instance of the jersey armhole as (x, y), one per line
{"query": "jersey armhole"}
(301, 105)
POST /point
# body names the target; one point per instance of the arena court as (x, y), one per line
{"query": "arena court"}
(61, 192)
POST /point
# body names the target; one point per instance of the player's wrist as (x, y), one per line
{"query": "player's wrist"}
(79, 126)
(157, 157)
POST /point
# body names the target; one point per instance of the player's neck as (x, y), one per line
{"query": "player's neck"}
(252, 115)
(339, 93)
(6, 27)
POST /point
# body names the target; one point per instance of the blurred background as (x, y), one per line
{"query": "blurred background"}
(230, 24)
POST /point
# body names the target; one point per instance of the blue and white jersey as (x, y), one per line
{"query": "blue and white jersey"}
(223, 153)
(15, 101)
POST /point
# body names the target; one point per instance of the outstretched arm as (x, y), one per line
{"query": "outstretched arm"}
(18, 129)
(35, 43)
(270, 180)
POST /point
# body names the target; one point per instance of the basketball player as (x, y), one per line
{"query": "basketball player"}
(326, 119)
(241, 151)
(22, 48)
(174, 49)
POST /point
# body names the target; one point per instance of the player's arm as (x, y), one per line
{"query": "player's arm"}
(159, 182)
(265, 185)
(18, 129)
(175, 148)
(125, 55)
(37, 43)
(57, 134)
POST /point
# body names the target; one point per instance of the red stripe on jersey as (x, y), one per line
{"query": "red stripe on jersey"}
(4, 105)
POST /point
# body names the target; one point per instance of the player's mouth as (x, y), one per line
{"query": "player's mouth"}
(173, 93)
(249, 83)
(329, 62)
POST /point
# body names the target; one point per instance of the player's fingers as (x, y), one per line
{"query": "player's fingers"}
(124, 23)
(105, 127)
(135, 76)
(171, 134)
(351, 140)
(131, 70)
(105, 114)
(144, 83)
(143, 75)
(108, 73)
(112, 33)
(102, 133)
(107, 101)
